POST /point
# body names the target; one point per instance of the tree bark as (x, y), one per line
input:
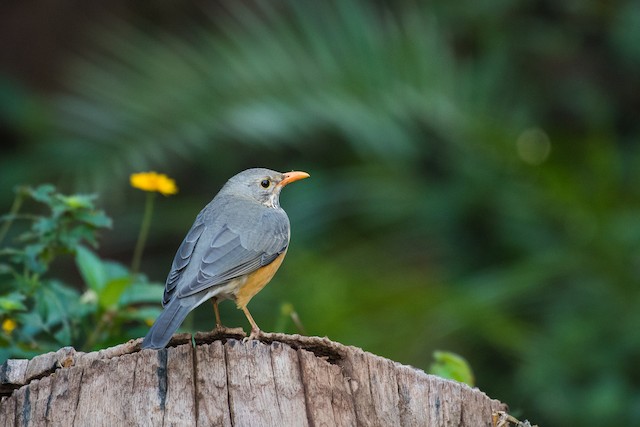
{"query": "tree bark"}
(281, 380)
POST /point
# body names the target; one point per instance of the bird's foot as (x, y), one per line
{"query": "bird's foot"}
(256, 334)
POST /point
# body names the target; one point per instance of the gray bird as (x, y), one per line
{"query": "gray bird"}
(232, 250)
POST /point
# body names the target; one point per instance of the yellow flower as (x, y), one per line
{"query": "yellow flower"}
(152, 181)
(8, 325)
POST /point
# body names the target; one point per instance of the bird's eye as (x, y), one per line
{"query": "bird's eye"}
(265, 183)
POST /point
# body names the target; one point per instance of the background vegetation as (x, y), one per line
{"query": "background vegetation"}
(475, 170)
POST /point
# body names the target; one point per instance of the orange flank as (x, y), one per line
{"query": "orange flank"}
(256, 281)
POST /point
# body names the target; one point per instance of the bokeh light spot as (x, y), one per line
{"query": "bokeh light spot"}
(533, 146)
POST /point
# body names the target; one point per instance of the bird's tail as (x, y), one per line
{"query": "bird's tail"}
(166, 324)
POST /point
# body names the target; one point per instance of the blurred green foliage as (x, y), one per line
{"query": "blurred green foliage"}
(42, 313)
(475, 170)
(452, 366)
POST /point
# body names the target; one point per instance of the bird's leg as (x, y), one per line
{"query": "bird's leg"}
(217, 313)
(255, 330)
(220, 329)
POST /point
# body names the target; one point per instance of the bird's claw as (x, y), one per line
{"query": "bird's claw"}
(256, 334)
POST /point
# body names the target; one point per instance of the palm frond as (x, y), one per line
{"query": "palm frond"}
(264, 74)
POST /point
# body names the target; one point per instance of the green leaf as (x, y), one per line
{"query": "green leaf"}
(12, 302)
(76, 235)
(146, 315)
(63, 335)
(41, 193)
(77, 201)
(32, 323)
(96, 219)
(6, 269)
(141, 293)
(91, 268)
(44, 225)
(35, 258)
(115, 270)
(55, 303)
(452, 366)
(110, 295)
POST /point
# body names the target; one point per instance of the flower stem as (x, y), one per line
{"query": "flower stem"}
(144, 232)
(105, 320)
(15, 207)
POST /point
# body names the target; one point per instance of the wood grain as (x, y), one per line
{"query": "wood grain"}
(281, 380)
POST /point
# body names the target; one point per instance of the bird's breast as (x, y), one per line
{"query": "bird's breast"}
(256, 281)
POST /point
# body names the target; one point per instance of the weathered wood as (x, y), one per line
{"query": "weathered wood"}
(328, 397)
(289, 385)
(211, 385)
(282, 380)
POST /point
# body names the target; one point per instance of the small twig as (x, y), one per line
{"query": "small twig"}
(503, 419)
(288, 310)
(298, 322)
(105, 320)
(13, 212)
(144, 232)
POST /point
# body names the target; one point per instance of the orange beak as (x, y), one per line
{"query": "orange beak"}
(290, 177)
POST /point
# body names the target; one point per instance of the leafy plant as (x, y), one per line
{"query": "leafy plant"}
(42, 313)
(430, 217)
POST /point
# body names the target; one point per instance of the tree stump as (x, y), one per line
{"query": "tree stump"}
(281, 380)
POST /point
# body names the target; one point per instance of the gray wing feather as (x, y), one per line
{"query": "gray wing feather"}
(183, 256)
(226, 247)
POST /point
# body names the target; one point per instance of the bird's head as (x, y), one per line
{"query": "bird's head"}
(262, 185)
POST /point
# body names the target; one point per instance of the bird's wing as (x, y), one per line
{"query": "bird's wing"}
(227, 249)
(183, 256)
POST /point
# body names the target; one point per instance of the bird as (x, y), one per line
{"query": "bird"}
(233, 249)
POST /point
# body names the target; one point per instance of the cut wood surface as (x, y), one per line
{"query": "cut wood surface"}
(222, 380)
